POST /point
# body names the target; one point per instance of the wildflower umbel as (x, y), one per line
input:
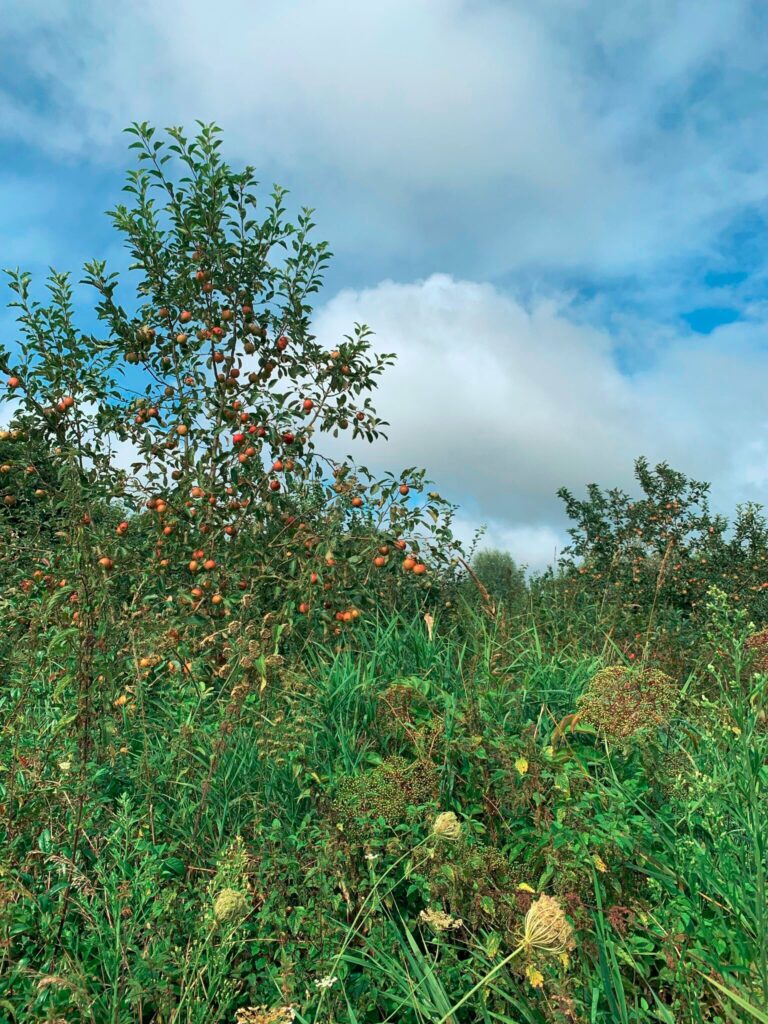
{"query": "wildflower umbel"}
(327, 982)
(546, 927)
(439, 921)
(447, 826)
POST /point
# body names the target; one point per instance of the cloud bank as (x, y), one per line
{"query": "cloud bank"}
(506, 402)
(514, 137)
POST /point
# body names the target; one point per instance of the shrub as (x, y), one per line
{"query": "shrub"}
(621, 702)
(502, 578)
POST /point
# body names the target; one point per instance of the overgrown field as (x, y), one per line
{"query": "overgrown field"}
(361, 838)
(274, 747)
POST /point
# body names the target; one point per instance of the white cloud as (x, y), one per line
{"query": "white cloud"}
(535, 547)
(505, 135)
(505, 404)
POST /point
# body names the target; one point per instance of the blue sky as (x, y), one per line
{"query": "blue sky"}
(554, 212)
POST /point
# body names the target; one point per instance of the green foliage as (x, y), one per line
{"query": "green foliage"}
(502, 578)
(661, 551)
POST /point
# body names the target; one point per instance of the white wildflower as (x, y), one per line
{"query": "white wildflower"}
(327, 982)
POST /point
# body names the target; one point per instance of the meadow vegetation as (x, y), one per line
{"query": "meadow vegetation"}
(273, 747)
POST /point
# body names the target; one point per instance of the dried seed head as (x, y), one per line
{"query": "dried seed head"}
(447, 826)
(620, 701)
(265, 1015)
(439, 921)
(546, 927)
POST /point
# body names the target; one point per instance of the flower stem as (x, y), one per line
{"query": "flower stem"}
(479, 985)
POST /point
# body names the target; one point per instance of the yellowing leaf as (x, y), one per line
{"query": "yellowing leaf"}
(429, 622)
(534, 976)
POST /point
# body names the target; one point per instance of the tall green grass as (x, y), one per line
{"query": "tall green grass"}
(316, 800)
